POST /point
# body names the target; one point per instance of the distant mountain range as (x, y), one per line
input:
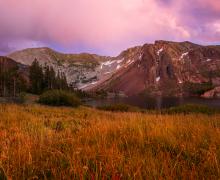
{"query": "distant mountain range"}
(162, 68)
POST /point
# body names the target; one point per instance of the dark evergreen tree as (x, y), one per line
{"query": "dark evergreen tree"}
(45, 78)
(58, 81)
(52, 79)
(63, 80)
(36, 77)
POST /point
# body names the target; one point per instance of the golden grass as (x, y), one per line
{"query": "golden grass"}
(38, 142)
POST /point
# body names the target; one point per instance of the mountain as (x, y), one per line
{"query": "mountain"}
(8, 63)
(79, 68)
(82, 70)
(167, 68)
(162, 68)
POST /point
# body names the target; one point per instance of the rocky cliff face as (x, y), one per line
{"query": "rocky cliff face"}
(214, 93)
(162, 68)
(165, 68)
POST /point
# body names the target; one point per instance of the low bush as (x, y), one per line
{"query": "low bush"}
(81, 94)
(196, 88)
(21, 98)
(119, 108)
(59, 98)
(190, 108)
(101, 94)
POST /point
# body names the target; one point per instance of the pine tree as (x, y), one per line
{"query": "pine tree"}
(52, 78)
(36, 77)
(58, 81)
(45, 78)
(64, 84)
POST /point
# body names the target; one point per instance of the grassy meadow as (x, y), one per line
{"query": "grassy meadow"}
(41, 142)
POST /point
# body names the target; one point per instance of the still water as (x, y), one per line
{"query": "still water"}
(155, 102)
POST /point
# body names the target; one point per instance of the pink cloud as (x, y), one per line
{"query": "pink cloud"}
(102, 24)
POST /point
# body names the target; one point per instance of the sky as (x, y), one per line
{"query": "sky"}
(105, 27)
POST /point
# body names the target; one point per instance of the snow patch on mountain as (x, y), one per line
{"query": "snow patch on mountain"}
(84, 86)
(94, 82)
(118, 67)
(107, 63)
(107, 72)
(140, 56)
(158, 79)
(180, 81)
(120, 61)
(129, 62)
(159, 51)
(183, 55)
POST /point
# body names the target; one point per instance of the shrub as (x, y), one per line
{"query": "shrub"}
(120, 108)
(190, 108)
(196, 88)
(59, 98)
(101, 94)
(81, 94)
(21, 98)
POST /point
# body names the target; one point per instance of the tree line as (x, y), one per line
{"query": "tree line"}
(40, 79)
(44, 78)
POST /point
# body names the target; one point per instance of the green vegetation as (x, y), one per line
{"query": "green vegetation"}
(41, 142)
(210, 74)
(45, 78)
(119, 108)
(190, 108)
(81, 94)
(101, 94)
(14, 79)
(196, 88)
(59, 98)
(182, 109)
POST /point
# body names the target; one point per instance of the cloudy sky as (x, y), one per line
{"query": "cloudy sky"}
(105, 26)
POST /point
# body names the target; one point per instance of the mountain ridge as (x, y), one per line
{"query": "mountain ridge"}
(156, 67)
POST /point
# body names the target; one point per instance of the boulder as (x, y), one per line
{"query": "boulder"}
(214, 93)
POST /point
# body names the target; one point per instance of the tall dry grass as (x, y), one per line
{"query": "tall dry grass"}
(38, 142)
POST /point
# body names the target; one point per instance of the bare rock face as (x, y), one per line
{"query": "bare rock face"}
(214, 93)
(163, 68)
(216, 81)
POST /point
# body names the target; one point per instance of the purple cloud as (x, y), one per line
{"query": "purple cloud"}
(105, 27)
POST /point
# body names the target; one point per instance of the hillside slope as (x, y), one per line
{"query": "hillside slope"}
(13, 77)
